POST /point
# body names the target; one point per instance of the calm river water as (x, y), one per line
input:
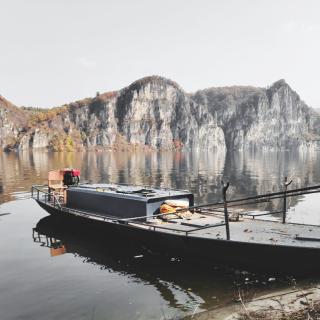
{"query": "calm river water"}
(57, 272)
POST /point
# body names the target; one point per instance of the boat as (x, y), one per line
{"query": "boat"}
(167, 221)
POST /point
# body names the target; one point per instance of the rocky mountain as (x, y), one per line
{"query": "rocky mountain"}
(271, 118)
(155, 112)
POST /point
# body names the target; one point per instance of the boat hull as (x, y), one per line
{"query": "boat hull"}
(235, 254)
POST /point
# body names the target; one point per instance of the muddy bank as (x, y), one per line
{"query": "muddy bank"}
(294, 304)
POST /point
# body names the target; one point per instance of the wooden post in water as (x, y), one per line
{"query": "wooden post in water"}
(286, 184)
(226, 215)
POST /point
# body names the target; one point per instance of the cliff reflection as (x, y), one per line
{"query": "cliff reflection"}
(249, 173)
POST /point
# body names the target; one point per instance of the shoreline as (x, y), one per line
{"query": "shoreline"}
(285, 304)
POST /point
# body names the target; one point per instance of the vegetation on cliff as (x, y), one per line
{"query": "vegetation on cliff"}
(155, 112)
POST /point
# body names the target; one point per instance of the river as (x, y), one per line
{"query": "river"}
(57, 272)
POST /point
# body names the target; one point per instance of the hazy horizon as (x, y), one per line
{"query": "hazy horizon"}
(58, 52)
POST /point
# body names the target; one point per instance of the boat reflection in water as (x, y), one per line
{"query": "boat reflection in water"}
(184, 286)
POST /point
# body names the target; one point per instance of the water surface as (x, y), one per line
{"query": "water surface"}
(51, 270)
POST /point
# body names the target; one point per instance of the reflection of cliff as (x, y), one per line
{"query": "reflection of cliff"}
(249, 173)
(253, 173)
(180, 170)
(19, 171)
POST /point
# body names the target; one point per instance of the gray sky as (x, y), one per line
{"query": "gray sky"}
(52, 52)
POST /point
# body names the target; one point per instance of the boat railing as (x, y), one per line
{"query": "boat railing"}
(41, 193)
(223, 207)
(45, 240)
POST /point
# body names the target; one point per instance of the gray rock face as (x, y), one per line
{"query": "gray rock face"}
(24, 143)
(12, 123)
(40, 139)
(7, 128)
(152, 112)
(273, 118)
(155, 112)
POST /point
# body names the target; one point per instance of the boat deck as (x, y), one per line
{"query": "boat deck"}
(247, 230)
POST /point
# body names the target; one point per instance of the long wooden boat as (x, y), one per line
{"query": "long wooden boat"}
(205, 233)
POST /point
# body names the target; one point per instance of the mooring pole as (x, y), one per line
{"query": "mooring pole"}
(286, 184)
(226, 215)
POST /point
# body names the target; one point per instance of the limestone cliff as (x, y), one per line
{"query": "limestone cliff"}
(12, 123)
(151, 112)
(271, 118)
(155, 112)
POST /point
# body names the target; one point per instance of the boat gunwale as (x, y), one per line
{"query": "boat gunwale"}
(178, 233)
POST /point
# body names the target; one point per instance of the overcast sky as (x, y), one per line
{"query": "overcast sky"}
(58, 51)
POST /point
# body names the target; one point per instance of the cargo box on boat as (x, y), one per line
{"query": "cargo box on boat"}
(122, 201)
